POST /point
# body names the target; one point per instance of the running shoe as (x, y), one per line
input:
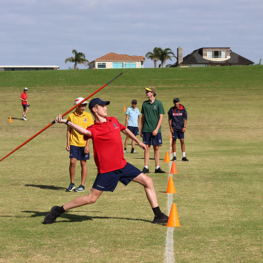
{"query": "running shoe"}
(52, 216)
(174, 159)
(134, 152)
(145, 170)
(124, 151)
(159, 171)
(162, 220)
(184, 159)
(81, 188)
(70, 188)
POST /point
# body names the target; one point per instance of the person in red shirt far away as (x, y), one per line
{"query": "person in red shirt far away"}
(112, 167)
(25, 104)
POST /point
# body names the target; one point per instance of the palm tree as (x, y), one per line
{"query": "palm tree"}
(79, 58)
(165, 55)
(155, 55)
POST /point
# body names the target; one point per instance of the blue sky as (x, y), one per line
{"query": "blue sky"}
(37, 32)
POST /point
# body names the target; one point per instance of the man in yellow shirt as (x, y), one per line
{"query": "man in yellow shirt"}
(77, 146)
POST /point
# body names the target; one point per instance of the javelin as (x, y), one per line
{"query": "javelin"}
(53, 122)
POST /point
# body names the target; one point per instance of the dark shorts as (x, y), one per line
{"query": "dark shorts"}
(78, 153)
(25, 106)
(108, 181)
(149, 139)
(178, 134)
(134, 130)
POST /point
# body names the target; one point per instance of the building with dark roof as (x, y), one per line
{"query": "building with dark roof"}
(113, 60)
(210, 56)
(16, 68)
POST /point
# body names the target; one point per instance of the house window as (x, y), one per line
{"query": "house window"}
(101, 65)
(216, 54)
(130, 65)
(117, 65)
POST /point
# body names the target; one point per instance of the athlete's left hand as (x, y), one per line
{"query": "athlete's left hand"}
(155, 132)
(59, 119)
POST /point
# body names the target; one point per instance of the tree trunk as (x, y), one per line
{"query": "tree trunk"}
(75, 65)
(155, 63)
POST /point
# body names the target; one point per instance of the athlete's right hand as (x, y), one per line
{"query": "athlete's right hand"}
(59, 119)
(68, 148)
(142, 145)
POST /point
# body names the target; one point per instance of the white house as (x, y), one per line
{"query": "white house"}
(113, 60)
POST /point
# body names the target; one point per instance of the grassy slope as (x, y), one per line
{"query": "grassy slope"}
(219, 197)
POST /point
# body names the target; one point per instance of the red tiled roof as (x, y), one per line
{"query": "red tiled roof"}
(119, 57)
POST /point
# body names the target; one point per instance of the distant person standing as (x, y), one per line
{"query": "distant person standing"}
(152, 117)
(133, 117)
(25, 104)
(77, 146)
(177, 117)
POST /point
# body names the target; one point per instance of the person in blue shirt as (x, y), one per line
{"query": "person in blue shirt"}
(133, 118)
(177, 117)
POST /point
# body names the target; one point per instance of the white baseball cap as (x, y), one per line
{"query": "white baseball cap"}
(25, 88)
(78, 100)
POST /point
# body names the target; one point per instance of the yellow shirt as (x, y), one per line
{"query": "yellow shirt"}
(84, 120)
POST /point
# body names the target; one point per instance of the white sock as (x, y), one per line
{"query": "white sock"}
(183, 154)
(146, 167)
(174, 153)
(157, 167)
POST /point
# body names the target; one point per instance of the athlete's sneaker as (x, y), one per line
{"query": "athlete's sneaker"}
(159, 171)
(134, 152)
(124, 151)
(184, 159)
(52, 216)
(174, 159)
(81, 188)
(70, 188)
(162, 220)
(24, 119)
(145, 170)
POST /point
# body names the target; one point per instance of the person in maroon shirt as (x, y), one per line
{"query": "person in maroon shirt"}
(25, 105)
(112, 167)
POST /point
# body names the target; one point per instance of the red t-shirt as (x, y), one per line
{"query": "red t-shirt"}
(24, 97)
(107, 145)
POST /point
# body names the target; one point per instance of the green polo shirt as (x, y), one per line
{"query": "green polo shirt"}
(151, 113)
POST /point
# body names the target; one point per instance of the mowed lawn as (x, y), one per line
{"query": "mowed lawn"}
(219, 191)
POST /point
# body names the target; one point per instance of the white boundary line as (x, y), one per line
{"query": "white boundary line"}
(169, 247)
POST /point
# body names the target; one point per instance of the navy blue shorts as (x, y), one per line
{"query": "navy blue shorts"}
(25, 106)
(134, 130)
(108, 181)
(78, 153)
(178, 134)
(149, 139)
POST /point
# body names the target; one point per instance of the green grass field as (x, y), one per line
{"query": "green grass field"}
(219, 192)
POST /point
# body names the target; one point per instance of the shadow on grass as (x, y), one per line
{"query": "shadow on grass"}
(49, 187)
(13, 118)
(70, 218)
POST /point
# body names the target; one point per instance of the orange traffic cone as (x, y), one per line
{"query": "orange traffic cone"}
(171, 149)
(170, 137)
(173, 168)
(173, 220)
(10, 119)
(170, 186)
(124, 109)
(167, 159)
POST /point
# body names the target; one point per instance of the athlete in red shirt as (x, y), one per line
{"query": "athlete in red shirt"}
(25, 104)
(112, 167)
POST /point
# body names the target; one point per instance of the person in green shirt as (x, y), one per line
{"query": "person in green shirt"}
(152, 116)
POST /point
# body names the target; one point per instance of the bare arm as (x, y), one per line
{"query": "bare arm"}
(142, 123)
(170, 125)
(76, 127)
(158, 125)
(126, 121)
(128, 133)
(139, 121)
(185, 122)
(68, 138)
